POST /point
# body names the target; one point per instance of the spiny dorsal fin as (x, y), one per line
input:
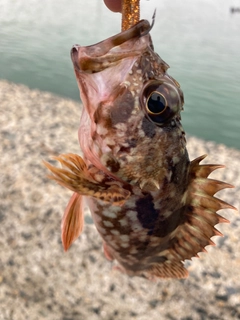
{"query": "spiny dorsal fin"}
(173, 269)
(204, 170)
(199, 212)
(211, 186)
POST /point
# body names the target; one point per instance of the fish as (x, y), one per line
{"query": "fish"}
(151, 205)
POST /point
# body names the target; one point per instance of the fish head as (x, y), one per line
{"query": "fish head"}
(130, 126)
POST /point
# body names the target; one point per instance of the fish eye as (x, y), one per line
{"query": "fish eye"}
(156, 103)
(161, 100)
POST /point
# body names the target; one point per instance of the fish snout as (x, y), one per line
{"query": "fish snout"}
(74, 56)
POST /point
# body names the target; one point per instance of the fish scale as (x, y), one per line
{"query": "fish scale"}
(152, 207)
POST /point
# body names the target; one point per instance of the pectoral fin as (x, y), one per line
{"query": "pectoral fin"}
(72, 221)
(75, 176)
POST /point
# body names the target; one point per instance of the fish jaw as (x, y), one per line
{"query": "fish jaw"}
(101, 77)
(102, 68)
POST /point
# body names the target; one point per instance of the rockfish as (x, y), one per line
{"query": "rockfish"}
(152, 207)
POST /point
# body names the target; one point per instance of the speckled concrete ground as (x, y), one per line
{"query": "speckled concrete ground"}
(39, 281)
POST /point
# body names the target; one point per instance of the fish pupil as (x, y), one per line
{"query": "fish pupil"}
(156, 103)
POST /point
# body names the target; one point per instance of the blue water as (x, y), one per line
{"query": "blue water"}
(199, 39)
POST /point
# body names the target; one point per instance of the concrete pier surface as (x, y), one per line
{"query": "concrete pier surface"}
(38, 280)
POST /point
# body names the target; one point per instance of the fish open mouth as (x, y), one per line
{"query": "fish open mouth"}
(91, 64)
(107, 53)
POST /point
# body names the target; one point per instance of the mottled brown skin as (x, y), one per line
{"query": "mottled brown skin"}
(152, 207)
